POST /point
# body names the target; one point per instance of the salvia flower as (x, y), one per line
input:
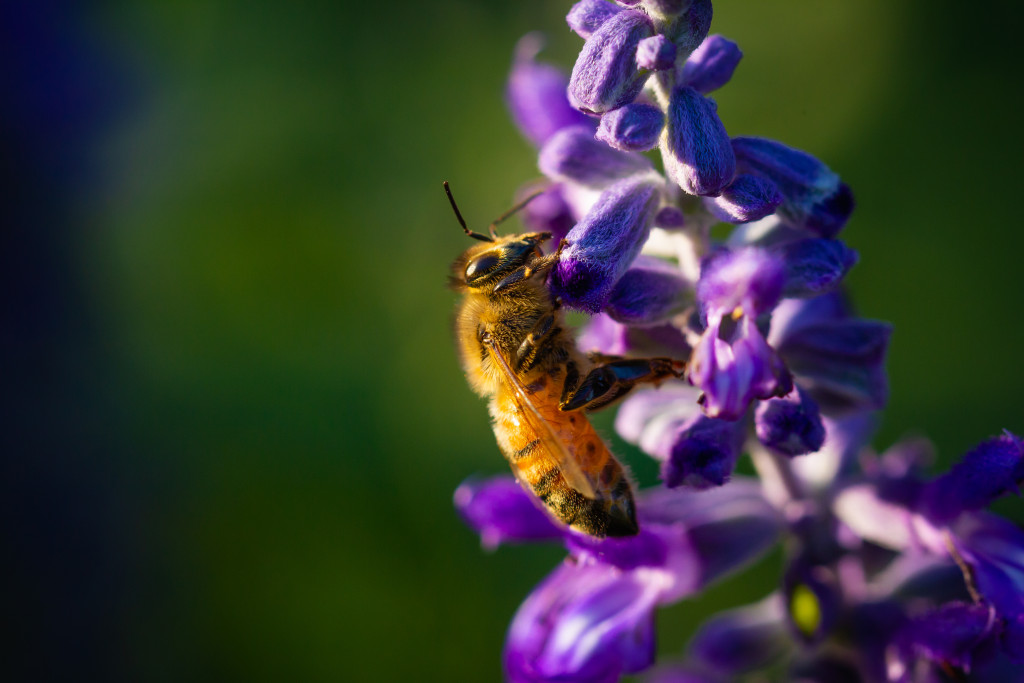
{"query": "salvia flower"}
(888, 574)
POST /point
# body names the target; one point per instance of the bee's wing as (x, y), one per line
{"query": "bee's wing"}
(552, 448)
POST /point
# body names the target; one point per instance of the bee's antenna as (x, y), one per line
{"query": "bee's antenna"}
(511, 212)
(462, 222)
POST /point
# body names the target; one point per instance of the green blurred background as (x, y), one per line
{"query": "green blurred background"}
(236, 416)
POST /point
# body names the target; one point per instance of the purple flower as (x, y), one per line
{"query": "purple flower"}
(953, 635)
(536, 94)
(696, 149)
(632, 128)
(592, 618)
(603, 244)
(500, 512)
(549, 211)
(742, 640)
(606, 75)
(711, 65)
(732, 363)
(692, 27)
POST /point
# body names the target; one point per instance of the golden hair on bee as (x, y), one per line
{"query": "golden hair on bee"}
(518, 353)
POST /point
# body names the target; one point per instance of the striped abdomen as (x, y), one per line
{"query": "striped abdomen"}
(610, 512)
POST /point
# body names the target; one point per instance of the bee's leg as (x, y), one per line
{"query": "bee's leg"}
(614, 378)
(537, 344)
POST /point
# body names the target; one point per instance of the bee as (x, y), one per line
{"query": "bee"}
(517, 351)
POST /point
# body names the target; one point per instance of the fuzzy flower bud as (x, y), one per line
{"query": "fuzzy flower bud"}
(697, 151)
(747, 198)
(604, 243)
(587, 16)
(711, 65)
(606, 76)
(656, 53)
(650, 291)
(632, 128)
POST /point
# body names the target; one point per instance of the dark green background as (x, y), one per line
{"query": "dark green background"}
(253, 427)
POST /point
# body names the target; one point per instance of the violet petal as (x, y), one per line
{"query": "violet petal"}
(656, 53)
(500, 511)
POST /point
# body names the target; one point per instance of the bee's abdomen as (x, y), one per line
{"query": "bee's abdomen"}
(611, 512)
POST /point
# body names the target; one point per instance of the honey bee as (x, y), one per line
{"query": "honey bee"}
(517, 351)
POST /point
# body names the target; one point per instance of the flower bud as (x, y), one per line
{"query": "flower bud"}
(632, 128)
(992, 469)
(604, 243)
(669, 217)
(656, 53)
(815, 266)
(606, 76)
(651, 291)
(791, 424)
(697, 151)
(747, 198)
(572, 154)
(587, 16)
(535, 94)
(711, 65)
(814, 197)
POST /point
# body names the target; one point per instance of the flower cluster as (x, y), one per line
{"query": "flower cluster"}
(889, 575)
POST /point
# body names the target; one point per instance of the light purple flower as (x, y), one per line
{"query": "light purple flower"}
(656, 53)
(574, 155)
(747, 198)
(651, 291)
(587, 16)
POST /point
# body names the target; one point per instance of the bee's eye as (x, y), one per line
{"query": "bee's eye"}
(480, 265)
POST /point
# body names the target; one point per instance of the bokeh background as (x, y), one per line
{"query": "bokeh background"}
(234, 418)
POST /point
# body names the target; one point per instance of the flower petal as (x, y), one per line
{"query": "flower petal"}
(656, 53)
(500, 511)
(750, 279)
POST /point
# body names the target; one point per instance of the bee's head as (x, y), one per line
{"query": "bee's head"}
(484, 265)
